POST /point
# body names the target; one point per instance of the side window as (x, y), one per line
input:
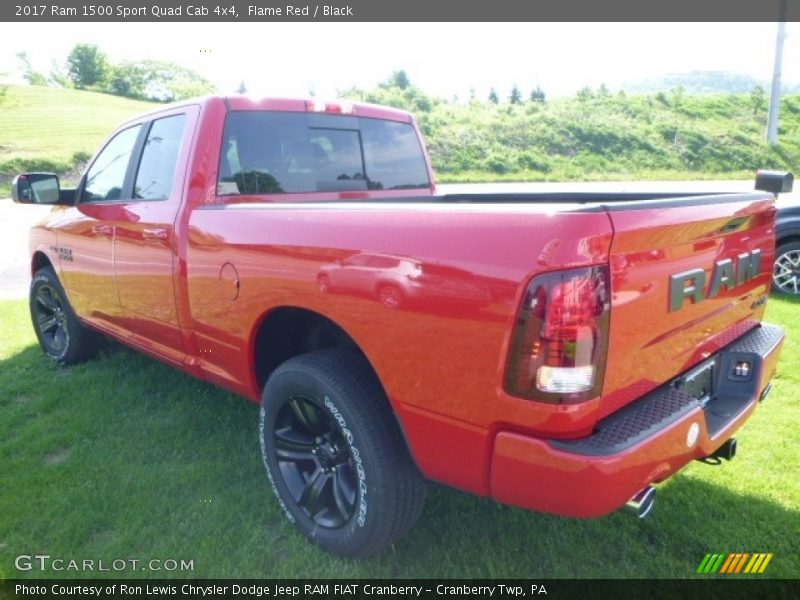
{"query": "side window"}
(159, 157)
(106, 177)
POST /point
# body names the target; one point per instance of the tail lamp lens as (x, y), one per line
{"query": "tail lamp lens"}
(558, 350)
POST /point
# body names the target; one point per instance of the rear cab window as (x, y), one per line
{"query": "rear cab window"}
(268, 152)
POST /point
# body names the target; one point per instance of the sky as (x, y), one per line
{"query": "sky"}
(444, 59)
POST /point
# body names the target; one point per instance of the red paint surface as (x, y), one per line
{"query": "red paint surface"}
(442, 354)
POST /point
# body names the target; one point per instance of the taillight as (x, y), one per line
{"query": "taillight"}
(558, 349)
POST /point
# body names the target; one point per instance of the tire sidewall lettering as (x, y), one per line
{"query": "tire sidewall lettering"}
(361, 517)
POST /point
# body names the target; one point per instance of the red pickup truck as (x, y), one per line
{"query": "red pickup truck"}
(559, 352)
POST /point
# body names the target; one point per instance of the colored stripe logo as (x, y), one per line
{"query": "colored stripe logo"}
(735, 563)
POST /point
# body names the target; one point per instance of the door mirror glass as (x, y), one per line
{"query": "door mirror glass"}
(36, 188)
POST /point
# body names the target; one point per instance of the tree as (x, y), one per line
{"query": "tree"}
(87, 66)
(537, 95)
(398, 79)
(31, 76)
(516, 96)
(128, 80)
(758, 99)
(585, 94)
(677, 97)
(493, 97)
(156, 81)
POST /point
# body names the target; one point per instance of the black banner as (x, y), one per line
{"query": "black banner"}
(421, 589)
(400, 10)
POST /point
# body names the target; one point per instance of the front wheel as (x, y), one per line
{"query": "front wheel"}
(59, 331)
(786, 272)
(335, 456)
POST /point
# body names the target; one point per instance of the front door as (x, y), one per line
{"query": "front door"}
(86, 234)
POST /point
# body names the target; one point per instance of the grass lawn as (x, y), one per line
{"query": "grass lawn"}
(55, 123)
(123, 457)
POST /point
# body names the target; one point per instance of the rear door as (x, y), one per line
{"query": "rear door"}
(145, 246)
(688, 277)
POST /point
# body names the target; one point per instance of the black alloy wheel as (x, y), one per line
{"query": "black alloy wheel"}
(61, 334)
(335, 456)
(315, 462)
(51, 319)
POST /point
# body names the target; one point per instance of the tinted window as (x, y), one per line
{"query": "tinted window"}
(393, 155)
(159, 157)
(106, 177)
(273, 153)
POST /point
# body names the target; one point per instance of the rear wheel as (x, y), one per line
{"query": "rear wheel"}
(786, 272)
(335, 456)
(59, 331)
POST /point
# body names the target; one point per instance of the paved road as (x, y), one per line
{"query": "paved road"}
(16, 219)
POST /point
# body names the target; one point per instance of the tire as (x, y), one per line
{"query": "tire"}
(391, 296)
(59, 331)
(335, 456)
(786, 271)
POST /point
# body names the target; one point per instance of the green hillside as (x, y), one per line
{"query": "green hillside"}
(600, 135)
(53, 129)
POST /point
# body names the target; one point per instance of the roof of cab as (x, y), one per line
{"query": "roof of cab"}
(310, 105)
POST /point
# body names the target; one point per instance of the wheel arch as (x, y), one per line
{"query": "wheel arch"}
(787, 238)
(288, 331)
(40, 260)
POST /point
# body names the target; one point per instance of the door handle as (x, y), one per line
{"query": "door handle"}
(155, 233)
(103, 230)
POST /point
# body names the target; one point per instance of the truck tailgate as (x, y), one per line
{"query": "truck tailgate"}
(660, 325)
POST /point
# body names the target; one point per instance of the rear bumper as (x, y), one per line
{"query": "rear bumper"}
(643, 443)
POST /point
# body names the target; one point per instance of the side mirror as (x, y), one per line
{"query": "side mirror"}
(775, 182)
(36, 188)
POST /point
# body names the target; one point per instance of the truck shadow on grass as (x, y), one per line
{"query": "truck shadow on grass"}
(692, 517)
(161, 465)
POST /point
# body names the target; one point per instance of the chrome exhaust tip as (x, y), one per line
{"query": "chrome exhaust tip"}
(642, 503)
